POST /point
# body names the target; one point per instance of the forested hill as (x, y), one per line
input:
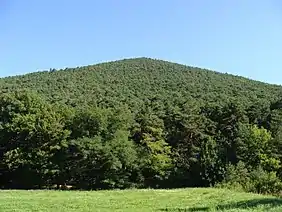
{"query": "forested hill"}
(139, 123)
(132, 81)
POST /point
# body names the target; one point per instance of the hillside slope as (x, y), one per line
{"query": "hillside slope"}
(140, 123)
(132, 81)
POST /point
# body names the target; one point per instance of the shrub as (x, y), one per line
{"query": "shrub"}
(265, 182)
(238, 177)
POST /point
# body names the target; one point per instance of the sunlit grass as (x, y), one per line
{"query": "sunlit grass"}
(137, 200)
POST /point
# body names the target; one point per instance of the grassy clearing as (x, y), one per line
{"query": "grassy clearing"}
(137, 200)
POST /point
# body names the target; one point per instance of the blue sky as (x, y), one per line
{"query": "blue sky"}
(242, 37)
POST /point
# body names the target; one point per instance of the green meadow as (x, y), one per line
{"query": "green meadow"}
(194, 199)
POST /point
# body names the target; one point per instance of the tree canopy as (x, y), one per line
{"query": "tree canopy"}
(136, 123)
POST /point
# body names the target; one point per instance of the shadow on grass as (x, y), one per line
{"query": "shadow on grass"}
(252, 204)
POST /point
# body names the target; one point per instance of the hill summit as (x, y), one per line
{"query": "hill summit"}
(135, 80)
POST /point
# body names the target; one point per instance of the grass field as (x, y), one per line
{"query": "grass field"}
(137, 200)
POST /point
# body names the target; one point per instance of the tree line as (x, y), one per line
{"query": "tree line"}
(139, 123)
(163, 144)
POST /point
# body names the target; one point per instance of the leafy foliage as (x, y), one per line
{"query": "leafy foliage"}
(139, 123)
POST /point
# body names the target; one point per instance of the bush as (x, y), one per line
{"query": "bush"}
(265, 182)
(238, 177)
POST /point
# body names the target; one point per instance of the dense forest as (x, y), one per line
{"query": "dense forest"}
(139, 123)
